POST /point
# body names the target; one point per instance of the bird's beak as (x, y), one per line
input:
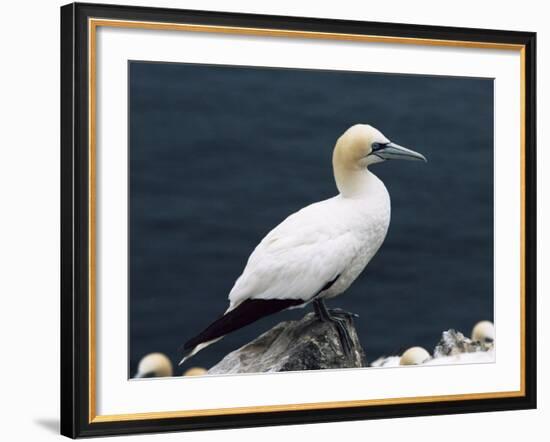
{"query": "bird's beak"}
(392, 151)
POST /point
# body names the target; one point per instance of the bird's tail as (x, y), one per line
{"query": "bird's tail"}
(245, 313)
(193, 351)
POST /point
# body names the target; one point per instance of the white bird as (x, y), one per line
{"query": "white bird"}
(484, 332)
(414, 356)
(195, 371)
(154, 365)
(317, 252)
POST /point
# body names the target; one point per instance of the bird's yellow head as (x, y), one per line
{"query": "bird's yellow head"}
(154, 365)
(359, 147)
(362, 145)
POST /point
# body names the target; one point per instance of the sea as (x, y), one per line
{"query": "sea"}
(219, 155)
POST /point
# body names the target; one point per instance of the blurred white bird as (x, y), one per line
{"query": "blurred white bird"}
(154, 365)
(317, 252)
(414, 356)
(196, 371)
(484, 332)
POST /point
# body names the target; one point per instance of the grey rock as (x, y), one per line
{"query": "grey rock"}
(305, 344)
(453, 342)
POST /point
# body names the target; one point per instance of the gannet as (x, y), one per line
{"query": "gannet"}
(154, 365)
(317, 252)
(414, 356)
(195, 371)
(484, 332)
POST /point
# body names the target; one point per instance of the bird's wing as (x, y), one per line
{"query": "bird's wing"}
(297, 258)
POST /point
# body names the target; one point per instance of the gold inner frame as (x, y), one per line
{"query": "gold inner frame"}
(93, 24)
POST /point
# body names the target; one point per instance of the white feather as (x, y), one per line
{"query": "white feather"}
(333, 238)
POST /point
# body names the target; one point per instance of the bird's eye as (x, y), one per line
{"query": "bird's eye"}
(376, 146)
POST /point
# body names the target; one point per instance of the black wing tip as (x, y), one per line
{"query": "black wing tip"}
(184, 348)
(244, 314)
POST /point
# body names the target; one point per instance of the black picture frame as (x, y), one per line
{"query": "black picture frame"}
(75, 219)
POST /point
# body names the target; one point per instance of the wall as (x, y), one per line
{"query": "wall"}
(29, 170)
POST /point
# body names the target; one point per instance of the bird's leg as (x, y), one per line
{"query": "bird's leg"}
(339, 321)
(321, 310)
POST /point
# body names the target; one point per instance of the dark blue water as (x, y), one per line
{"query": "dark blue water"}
(220, 155)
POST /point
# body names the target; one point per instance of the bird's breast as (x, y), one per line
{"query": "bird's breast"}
(370, 220)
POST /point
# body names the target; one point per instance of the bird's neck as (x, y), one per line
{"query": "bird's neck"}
(354, 182)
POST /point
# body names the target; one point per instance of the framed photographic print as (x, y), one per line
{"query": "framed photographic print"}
(279, 220)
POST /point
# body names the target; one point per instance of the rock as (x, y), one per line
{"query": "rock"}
(305, 344)
(453, 342)
(386, 361)
(477, 357)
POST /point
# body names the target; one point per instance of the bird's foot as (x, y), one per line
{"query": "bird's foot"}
(339, 318)
(344, 335)
(342, 313)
